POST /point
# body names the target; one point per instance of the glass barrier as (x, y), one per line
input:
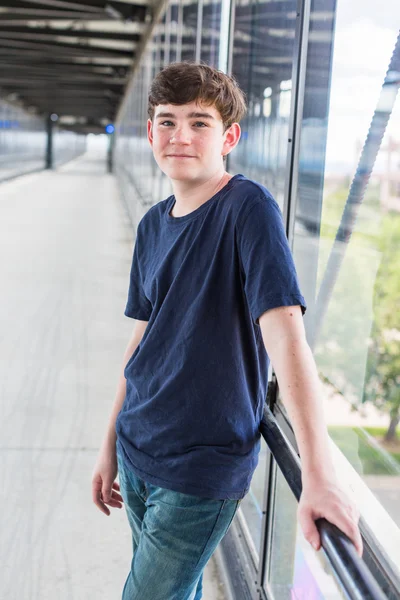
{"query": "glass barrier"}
(189, 29)
(251, 507)
(348, 266)
(23, 141)
(295, 570)
(263, 55)
(175, 32)
(211, 32)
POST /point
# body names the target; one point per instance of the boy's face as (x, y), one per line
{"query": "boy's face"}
(189, 141)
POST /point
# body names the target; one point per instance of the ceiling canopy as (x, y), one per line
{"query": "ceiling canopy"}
(72, 59)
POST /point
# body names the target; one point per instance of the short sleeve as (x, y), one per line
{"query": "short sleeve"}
(138, 306)
(270, 278)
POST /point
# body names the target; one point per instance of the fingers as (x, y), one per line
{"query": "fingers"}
(103, 494)
(346, 516)
(349, 525)
(97, 496)
(108, 491)
(115, 500)
(345, 520)
(309, 527)
(115, 486)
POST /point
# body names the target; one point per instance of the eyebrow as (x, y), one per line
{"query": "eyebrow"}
(192, 115)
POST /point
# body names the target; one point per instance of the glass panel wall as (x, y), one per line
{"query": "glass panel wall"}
(132, 154)
(175, 31)
(189, 29)
(23, 141)
(346, 246)
(165, 38)
(263, 52)
(210, 32)
(295, 569)
(67, 145)
(138, 174)
(252, 504)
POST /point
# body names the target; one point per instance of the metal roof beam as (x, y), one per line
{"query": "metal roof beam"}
(38, 87)
(70, 57)
(84, 82)
(46, 15)
(71, 5)
(59, 4)
(48, 34)
(19, 62)
(20, 70)
(109, 11)
(62, 49)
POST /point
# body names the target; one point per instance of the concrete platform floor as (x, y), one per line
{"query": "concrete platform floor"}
(66, 246)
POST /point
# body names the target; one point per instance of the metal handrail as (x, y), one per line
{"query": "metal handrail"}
(352, 573)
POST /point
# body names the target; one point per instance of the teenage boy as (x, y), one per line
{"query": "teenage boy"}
(214, 294)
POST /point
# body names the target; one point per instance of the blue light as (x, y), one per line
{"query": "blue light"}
(110, 129)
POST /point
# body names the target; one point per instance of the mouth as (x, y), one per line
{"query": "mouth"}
(180, 156)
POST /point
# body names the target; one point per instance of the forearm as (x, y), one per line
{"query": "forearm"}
(301, 393)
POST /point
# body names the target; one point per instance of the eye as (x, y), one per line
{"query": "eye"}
(201, 123)
(165, 123)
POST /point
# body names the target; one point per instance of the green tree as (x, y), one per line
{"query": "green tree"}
(383, 366)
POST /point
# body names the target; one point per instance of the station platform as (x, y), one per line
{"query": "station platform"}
(66, 244)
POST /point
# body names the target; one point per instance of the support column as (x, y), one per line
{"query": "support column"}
(49, 147)
(110, 153)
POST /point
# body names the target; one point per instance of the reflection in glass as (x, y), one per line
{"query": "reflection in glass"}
(262, 63)
(163, 39)
(189, 30)
(174, 32)
(211, 32)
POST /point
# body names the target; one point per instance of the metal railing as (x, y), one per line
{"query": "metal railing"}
(353, 574)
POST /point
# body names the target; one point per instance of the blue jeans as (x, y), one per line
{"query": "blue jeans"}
(173, 537)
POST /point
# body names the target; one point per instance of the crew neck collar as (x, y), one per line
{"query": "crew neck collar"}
(198, 211)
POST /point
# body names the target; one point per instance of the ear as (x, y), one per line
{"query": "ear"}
(150, 132)
(232, 137)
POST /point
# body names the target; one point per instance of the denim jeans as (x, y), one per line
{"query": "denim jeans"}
(173, 537)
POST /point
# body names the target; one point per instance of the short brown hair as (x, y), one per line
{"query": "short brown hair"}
(184, 82)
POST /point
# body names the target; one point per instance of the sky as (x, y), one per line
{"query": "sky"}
(363, 46)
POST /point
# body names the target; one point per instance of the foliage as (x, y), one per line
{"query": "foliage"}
(378, 432)
(365, 458)
(383, 366)
(358, 349)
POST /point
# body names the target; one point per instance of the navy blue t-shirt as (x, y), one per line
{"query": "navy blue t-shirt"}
(197, 382)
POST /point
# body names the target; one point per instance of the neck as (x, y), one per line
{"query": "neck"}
(191, 195)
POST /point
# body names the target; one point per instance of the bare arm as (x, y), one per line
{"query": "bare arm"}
(301, 391)
(286, 344)
(105, 490)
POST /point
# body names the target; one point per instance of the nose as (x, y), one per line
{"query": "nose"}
(181, 135)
